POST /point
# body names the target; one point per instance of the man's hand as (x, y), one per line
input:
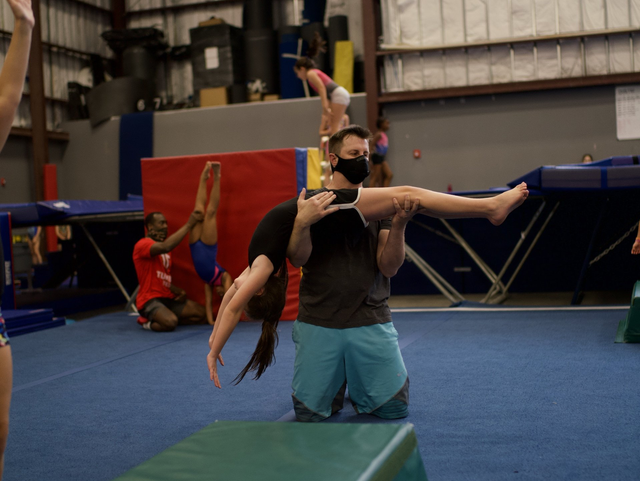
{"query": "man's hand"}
(181, 295)
(315, 208)
(213, 368)
(404, 215)
(636, 247)
(195, 217)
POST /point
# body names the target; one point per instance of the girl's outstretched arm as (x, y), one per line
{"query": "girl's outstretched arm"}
(14, 69)
(245, 287)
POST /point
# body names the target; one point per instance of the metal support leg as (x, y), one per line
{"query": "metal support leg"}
(585, 265)
(523, 236)
(476, 258)
(526, 254)
(131, 303)
(441, 284)
(106, 263)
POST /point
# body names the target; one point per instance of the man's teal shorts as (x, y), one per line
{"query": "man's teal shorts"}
(367, 359)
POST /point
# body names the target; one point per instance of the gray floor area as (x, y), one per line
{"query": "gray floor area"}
(518, 299)
(593, 298)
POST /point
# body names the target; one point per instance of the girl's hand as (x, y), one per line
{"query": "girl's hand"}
(22, 11)
(213, 368)
(636, 247)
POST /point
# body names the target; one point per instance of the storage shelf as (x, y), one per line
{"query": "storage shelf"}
(50, 99)
(51, 134)
(83, 53)
(92, 7)
(398, 49)
(185, 6)
(469, 91)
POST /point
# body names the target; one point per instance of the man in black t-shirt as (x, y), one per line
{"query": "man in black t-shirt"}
(344, 334)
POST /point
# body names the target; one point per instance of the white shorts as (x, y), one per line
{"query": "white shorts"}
(340, 96)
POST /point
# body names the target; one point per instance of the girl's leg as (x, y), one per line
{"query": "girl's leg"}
(209, 234)
(36, 249)
(387, 175)
(6, 381)
(337, 112)
(377, 204)
(201, 201)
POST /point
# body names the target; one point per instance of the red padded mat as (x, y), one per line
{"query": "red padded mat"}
(251, 184)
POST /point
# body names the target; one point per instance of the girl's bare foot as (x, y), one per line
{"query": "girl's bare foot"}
(507, 202)
(216, 169)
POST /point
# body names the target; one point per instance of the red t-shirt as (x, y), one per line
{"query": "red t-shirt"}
(154, 272)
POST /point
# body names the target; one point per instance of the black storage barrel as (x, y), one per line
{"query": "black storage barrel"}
(260, 58)
(139, 62)
(257, 14)
(338, 31)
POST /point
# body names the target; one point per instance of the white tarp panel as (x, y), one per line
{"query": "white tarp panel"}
(619, 54)
(617, 13)
(390, 22)
(476, 20)
(523, 62)
(546, 17)
(593, 14)
(412, 71)
(433, 70)
(569, 16)
(499, 19)
(522, 18)
(479, 66)
(596, 55)
(571, 55)
(431, 21)
(409, 18)
(501, 64)
(453, 16)
(636, 52)
(635, 13)
(455, 64)
(548, 65)
(392, 73)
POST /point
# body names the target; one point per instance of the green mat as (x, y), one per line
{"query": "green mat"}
(247, 451)
(629, 328)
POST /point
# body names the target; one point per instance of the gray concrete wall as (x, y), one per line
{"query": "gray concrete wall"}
(250, 126)
(487, 141)
(16, 167)
(90, 165)
(89, 168)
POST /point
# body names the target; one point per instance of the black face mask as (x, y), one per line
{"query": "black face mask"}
(355, 170)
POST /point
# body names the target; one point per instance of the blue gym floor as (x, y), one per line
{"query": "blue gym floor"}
(495, 395)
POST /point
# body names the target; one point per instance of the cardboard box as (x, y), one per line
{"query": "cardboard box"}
(211, 21)
(271, 97)
(212, 97)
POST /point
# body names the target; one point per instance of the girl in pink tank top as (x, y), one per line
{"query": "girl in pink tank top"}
(335, 99)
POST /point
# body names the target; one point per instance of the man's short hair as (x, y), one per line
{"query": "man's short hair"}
(336, 140)
(149, 219)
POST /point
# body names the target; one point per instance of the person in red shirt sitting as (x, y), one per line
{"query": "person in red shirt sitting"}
(162, 305)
